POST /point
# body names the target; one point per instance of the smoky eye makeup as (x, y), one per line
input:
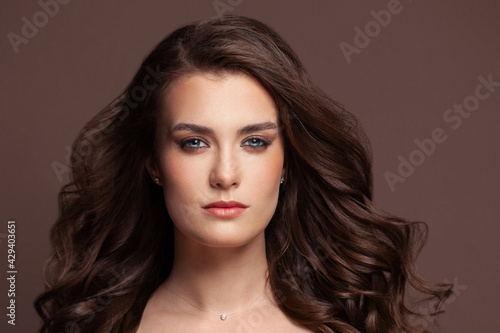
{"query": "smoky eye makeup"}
(195, 143)
(257, 143)
(192, 144)
(198, 140)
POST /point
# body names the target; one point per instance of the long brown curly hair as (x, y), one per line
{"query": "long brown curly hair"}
(336, 262)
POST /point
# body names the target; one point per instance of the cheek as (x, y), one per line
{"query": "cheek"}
(264, 175)
(180, 179)
(265, 171)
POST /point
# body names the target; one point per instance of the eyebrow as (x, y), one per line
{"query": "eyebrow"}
(206, 130)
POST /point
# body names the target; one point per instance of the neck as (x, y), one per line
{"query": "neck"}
(218, 280)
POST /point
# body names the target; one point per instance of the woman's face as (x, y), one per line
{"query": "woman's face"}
(219, 140)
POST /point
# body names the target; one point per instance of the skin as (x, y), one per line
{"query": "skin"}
(220, 264)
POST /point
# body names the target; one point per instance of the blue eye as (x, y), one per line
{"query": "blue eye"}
(257, 143)
(192, 144)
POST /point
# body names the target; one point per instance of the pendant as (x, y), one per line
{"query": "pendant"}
(223, 316)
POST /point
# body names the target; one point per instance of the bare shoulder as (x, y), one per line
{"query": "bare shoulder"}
(277, 321)
(157, 318)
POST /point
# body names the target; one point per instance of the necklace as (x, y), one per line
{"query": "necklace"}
(222, 316)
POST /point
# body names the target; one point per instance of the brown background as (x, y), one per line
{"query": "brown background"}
(426, 59)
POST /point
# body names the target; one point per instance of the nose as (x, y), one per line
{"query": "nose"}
(225, 171)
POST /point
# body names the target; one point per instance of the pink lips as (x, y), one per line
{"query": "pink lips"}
(225, 208)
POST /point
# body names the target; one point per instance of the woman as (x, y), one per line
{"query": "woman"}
(224, 192)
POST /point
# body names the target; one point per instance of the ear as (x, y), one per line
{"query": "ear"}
(152, 167)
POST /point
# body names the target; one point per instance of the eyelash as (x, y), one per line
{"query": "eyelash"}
(263, 143)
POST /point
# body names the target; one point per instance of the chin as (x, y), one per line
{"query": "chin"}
(227, 238)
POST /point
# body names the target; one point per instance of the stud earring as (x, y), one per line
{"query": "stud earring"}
(282, 180)
(157, 181)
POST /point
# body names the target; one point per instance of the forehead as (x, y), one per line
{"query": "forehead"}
(218, 100)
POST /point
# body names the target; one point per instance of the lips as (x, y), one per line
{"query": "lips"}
(225, 204)
(225, 208)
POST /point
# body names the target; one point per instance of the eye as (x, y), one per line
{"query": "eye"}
(192, 144)
(257, 143)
